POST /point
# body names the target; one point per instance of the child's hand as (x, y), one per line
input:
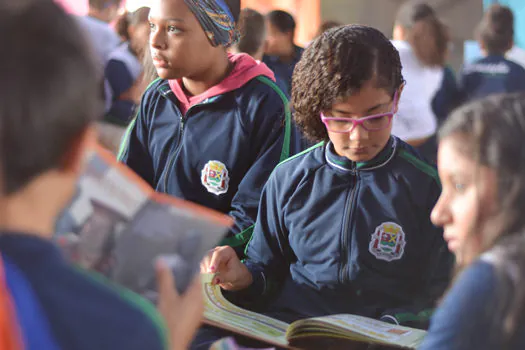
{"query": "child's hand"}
(182, 313)
(230, 273)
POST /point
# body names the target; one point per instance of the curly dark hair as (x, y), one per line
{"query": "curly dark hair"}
(336, 65)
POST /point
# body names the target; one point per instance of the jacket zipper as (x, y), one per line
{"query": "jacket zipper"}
(347, 227)
(174, 154)
(179, 145)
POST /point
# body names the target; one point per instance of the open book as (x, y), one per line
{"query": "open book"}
(118, 225)
(330, 332)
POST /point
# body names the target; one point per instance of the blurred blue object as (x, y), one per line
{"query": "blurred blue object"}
(472, 51)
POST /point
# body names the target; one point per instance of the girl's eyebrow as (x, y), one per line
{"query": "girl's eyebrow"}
(167, 19)
(368, 110)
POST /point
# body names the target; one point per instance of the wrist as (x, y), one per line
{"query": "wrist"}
(246, 280)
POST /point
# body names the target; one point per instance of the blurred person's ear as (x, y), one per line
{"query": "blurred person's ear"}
(290, 36)
(511, 45)
(74, 158)
(399, 33)
(482, 47)
(399, 94)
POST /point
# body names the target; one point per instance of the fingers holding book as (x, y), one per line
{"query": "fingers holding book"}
(229, 272)
(175, 307)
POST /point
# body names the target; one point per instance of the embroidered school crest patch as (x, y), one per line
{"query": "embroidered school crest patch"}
(214, 177)
(388, 242)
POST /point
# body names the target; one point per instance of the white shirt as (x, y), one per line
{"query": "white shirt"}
(101, 36)
(415, 118)
(103, 40)
(517, 55)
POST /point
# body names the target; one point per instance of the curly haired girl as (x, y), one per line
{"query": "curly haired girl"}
(344, 227)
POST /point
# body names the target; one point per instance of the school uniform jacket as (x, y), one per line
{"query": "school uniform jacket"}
(221, 151)
(334, 236)
(490, 75)
(59, 307)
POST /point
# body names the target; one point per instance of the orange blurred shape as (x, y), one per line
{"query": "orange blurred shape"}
(10, 336)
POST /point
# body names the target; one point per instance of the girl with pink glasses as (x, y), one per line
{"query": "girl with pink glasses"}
(344, 227)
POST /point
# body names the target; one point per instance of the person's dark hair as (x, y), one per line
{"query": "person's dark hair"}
(127, 20)
(253, 31)
(426, 34)
(336, 65)
(496, 30)
(282, 21)
(103, 4)
(235, 8)
(327, 25)
(40, 121)
(491, 132)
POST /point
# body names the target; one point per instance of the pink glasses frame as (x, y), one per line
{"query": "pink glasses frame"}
(360, 121)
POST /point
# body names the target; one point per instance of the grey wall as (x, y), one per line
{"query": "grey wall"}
(461, 16)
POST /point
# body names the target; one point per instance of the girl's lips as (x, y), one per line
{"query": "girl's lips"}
(160, 62)
(360, 149)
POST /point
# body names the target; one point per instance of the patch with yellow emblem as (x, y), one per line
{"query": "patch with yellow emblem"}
(214, 176)
(388, 242)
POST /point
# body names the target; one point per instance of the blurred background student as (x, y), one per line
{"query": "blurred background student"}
(327, 25)
(493, 73)
(422, 41)
(123, 73)
(481, 166)
(281, 52)
(96, 24)
(252, 26)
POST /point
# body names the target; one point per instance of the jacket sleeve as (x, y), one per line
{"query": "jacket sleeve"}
(464, 87)
(517, 77)
(470, 316)
(134, 148)
(270, 144)
(446, 98)
(268, 252)
(437, 278)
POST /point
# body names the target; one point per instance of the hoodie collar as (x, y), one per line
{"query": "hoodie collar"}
(344, 164)
(245, 68)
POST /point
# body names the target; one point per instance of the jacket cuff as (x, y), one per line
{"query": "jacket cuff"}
(252, 294)
(407, 318)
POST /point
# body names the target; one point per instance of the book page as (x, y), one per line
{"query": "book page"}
(221, 313)
(117, 225)
(364, 328)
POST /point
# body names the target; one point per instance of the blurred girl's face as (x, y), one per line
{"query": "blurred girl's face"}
(467, 199)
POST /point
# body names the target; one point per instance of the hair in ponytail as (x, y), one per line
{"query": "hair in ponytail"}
(496, 30)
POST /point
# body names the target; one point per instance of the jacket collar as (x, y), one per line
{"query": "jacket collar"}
(344, 164)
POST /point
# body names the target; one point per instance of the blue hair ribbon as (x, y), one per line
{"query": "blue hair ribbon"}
(216, 19)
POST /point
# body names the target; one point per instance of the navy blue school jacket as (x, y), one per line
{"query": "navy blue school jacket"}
(490, 75)
(284, 70)
(219, 154)
(334, 236)
(73, 309)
